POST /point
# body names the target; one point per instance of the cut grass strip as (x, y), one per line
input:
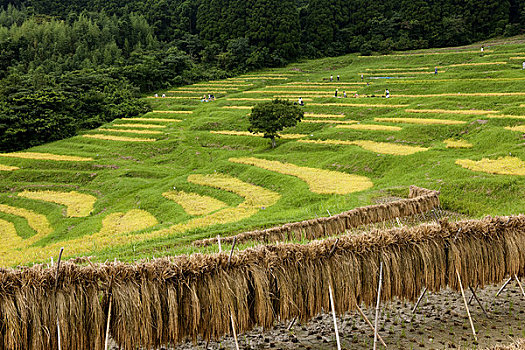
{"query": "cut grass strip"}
(45, 156)
(37, 222)
(518, 128)
(316, 115)
(451, 143)
(328, 121)
(237, 107)
(247, 133)
(8, 167)
(78, 204)
(505, 116)
(132, 131)
(420, 121)
(370, 127)
(174, 112)
(358, 105)
(319, 180)
(452, 111)
(502, 166)
(377, 147)
(164, 120)
(117, 138)
(195, 204)
(143, 126)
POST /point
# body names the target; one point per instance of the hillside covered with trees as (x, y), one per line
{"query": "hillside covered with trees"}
(65, 66)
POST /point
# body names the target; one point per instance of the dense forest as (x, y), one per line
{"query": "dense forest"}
(65, 66)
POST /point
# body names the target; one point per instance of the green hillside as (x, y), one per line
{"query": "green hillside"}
(142, 187)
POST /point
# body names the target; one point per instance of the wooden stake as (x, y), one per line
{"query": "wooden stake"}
(466, 306)
(419, 300)
(519, 284)
(333, 248)
(219, 242)
(378, 303)
(107, 325)
(479, 303)
(335, 319)
(56, 287)
(291, 323)
(369, 323)
(231, 251)
(503, 286)
(234, 333)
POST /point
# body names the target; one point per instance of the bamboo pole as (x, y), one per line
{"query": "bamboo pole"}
(503, 286)
(378, 303)
(56, 287)
(106, 344)
(335, 319)
(479, 303)
(466, 306)
(234, 333)
(370, 324)
(419, 299)
(231, 251)
(519, 284)
(219, 242)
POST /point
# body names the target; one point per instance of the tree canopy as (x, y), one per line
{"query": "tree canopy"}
(272, 117)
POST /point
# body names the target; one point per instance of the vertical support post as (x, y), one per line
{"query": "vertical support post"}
(419, 299)
(519, 284)
(56, 287)
(219, 242)
(466, 306)
(503, 287)
(234, 332)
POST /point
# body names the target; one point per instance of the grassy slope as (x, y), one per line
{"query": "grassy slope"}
(128, 176)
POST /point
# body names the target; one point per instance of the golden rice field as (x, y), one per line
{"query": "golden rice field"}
(467, 94)
(505, 116)
(318, 180)
(452, 111)
(370, 105)
(503, 165)
(370, 127)
(336, 84)
(403, 68)
(427, 54)
(420, 121)
(451, 143)
(328, 121)
(37, 222)
(197, 91)
(134, 131)
(125, 222)
(173, 112)
(77, 204)
(163, 120)
(518, 128)
(517, 58)
(373, 146)
(247, 133)
(473, 64)
(259, 99)
(45, 156)
(238, 107)
(395, 73)
(8, 167)
(318, 115)
(195, 204)
(118, 138)
(143, 126)
(295, 92)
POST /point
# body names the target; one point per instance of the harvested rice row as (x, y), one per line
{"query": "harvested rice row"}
(377, 147)
(402, 68)
(370, 127)
(143, 126)
(237, 107)
(395, 73)
(146, 119)
(358, 105)
(4, 167)
(318, 115)
(419, 201)
(117, 138)
(467, 94)
(473, 64)
(118, 224)
(303, 92)
(328, 121)
(45, 156)
(247, 133)
(78, 204)
(319, 180)
(451, 143)
(502, 166)
(266, 78)
(201, 91)
(505, 116)
(326, 84)
(171, 300)
(176, 97)
(174, 112)
(452, 111)
(260, 99)
(420, 121)
(519, 128)
(195, 204)
(133, 131)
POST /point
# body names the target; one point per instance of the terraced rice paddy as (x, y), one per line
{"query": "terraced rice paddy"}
(78, 204)
(8, 167)
(518, 128)
(370, 127)
(424, 121)
(247, 133)
(377, 147)
(502, 165)
(195, 204)
(45, 156)
(118, 138)
(134, 131)
(451, 143)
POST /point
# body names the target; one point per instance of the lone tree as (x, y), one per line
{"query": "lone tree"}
(272, 117)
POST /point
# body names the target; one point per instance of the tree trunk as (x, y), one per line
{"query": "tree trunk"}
(273, 142)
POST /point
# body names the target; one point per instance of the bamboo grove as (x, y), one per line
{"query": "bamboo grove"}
(171, 300)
